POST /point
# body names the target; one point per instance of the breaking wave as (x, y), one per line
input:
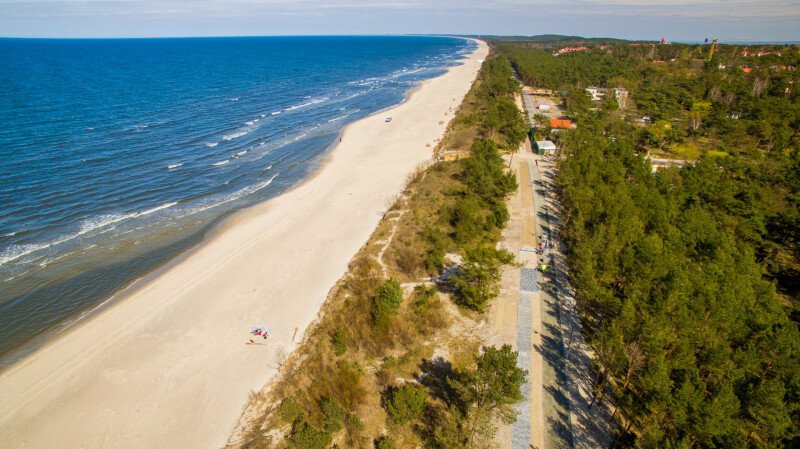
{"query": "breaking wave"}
(307, 103)
(14, 252)
(241, 193)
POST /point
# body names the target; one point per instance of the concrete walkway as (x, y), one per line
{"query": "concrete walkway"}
(536, 313)
(552, 407)
(555, 412)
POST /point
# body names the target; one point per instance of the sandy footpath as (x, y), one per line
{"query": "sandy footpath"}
(167, 366)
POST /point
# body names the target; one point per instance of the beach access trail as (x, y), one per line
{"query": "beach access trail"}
(167, 364)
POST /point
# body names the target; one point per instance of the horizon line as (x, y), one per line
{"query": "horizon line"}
(474, 36)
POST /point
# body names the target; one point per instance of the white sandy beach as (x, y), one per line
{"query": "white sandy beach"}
(167, 365)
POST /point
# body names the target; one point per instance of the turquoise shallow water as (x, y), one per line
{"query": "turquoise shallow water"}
(119, 154)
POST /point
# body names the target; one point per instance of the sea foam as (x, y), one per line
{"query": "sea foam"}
(14, 252)
(247, 129)
(307, 103)
(212, 203)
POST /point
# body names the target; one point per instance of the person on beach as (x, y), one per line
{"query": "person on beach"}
(259, 331)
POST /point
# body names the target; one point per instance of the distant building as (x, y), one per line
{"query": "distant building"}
(621, 95)
(543, 107)
(557, 123)
(749, 54)
(657, 164)
(599, 93)
(545, 147)
(569, 50)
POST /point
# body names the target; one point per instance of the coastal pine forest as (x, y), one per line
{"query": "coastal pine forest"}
(687, 279)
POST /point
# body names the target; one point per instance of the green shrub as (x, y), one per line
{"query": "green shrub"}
(434, 257)
(500, 215)
(477, 281)
(334, 415)
(406, 403)
(338, 342)
(503, 115)
(485, 173)
(495, 385)
(447, 428)
(304, 436)
(354, 422)
(384, 443)
(289, 410)
(423, 296)
(467, 219)
(387, 302)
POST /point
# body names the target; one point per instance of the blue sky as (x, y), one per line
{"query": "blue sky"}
(637, 19)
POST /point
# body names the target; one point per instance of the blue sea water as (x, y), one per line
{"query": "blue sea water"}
(119, 154)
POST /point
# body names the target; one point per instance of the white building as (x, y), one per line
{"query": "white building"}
(599, 93)
(621, 95)
(545, 147)
(543, 107)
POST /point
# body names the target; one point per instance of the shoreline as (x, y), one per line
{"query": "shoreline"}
(319, 163)
(213, 229)
(172, 340)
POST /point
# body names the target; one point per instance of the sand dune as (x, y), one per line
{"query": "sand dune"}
(166, 366)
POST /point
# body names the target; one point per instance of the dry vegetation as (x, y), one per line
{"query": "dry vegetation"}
(370, 360)
(462, 130)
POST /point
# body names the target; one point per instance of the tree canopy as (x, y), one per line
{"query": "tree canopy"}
(686, 279)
